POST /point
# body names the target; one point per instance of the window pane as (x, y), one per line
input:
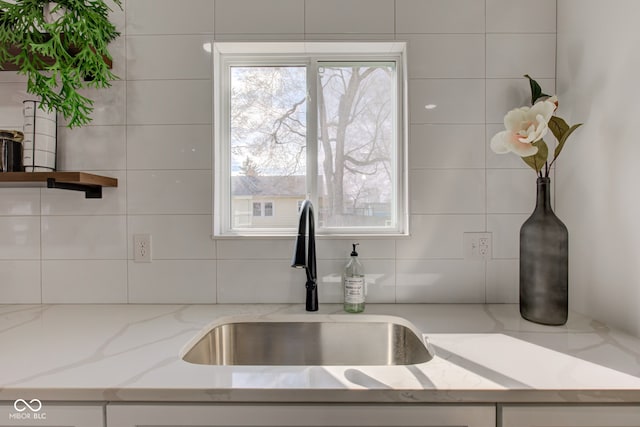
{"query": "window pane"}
(268, 109)
(356, 133)
(257, 209)
(268, 209)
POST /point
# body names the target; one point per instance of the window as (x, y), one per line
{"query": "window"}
(322, 121)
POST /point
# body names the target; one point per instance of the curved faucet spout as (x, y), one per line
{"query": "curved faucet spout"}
(304, 255)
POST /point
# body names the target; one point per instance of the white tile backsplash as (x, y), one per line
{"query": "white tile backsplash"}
(521, 16)
(446, 56)
(455, 100)
(514, 55)
(348, 16)
(440, 281)
(447, 191)
(162, 102)
(167, 17)
(147, 57)
(169, 147)
(169, 192)
(153, 131)
(19, 201)
(440, 16)
(259, 17)
(92, 148)
(20, 282)
(84, 281)
(84, 237)
(20, 237)
(173, 282)
(447, 146)
(173, 236)
(438, 236)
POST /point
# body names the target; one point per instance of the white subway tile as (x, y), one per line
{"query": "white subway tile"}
(521, 16)
(443, 281)
(454, 100)
(446, 56)
(108, 105)
(169, 192)
(348, 16)
(84, 282)
(20, 282)
(20, 237)
(260, 248)
(84, 237)
(19, 201)
(11, 97)
(173, 282)
(92, 148)
(514, 55)
(505, 231)
(169, 147)
(511, 191)
(174, 236)
(340, 249)
(447, 146)
(259, 16)
(169, 17)
(438, 236)
(440, 16)
(504, 95)
(147, 57)
(260, 281)
(503, 281)
(379, 278)
(155, 102)
(447, 191)
(63, 202)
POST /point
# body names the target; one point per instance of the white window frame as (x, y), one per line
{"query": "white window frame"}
(226, 54)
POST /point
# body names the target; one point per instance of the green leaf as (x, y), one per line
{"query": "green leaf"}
(536, 90)
(558, 127)
(563, 139)
(538, 160)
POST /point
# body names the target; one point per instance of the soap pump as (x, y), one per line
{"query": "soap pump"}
(354, 284)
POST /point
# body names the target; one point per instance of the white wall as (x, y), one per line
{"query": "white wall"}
(598, 175)
(153, 129)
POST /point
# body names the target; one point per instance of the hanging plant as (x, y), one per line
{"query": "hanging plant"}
(61, 48)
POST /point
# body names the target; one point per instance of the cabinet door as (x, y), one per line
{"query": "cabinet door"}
(570, 416)
(36, 413)
(120, 415)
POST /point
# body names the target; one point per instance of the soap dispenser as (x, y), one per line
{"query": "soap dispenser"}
(354, 284)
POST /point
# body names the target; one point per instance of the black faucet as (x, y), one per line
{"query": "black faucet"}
(302, 251)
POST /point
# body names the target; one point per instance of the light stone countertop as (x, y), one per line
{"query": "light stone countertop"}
(484, 353)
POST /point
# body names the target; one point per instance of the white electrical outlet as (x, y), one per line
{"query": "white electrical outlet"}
(477, 246)
(142, 247)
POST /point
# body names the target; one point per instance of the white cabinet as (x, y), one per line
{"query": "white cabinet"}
(570, 416)
(200, 415)
(36, 413)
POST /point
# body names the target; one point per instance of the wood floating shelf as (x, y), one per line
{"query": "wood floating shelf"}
(89, 183)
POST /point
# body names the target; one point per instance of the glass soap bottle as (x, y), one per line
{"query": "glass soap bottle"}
(354, 284)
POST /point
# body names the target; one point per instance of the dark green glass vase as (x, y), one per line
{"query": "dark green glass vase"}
(544, 263)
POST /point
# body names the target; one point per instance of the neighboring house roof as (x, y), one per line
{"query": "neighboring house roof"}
(276, 186)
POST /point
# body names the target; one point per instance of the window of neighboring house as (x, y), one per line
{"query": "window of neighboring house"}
(322, 121)
(257, 209)
(268, 208)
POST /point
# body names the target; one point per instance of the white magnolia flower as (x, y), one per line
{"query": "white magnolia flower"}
(524, 126)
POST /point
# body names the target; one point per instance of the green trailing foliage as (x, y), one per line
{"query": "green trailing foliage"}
(77, 42)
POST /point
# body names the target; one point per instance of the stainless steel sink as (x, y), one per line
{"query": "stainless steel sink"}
(310, 340)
